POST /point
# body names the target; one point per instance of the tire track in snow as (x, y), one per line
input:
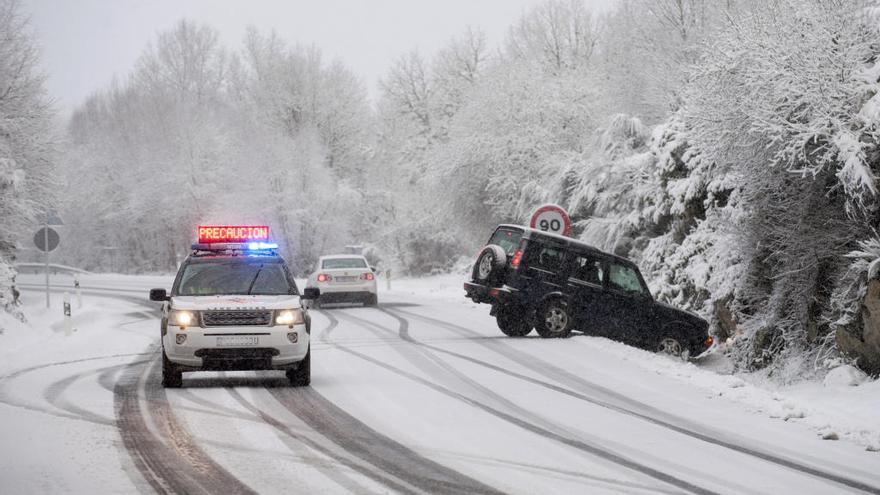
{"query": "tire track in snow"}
(500, 401)
(294, 443)
(599, 452)
(8, 399)
(650, 415)
(178, 466)
(54, 394)
(370, 446)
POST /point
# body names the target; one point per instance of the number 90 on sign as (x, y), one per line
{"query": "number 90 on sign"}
(550, 221)
(551, 218)
(551, 225)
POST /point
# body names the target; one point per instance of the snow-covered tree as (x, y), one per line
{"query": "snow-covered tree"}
(198, 134)
(27, 151)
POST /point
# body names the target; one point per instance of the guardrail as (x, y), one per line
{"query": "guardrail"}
(41, 267)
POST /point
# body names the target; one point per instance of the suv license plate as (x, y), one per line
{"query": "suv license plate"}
(237, 341)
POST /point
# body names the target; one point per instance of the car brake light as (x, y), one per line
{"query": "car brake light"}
(323, 277)
(517, 257)
(709, 341)
(367, 276)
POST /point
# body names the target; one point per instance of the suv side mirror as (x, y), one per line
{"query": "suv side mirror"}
(311, 293)
(158, 295)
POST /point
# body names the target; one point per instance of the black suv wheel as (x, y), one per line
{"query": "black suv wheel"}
(513, 321)
(554, 320)
(672, 346)
(490, 265)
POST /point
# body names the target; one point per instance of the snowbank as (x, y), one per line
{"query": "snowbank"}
(843, 406)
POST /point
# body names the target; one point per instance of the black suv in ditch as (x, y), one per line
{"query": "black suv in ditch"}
(556, 284)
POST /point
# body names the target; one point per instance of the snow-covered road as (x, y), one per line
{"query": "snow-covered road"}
(420, 395)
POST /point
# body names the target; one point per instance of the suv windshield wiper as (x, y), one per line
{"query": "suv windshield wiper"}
(254, 281)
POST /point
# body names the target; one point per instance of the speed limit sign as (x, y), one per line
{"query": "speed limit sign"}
(551, 218)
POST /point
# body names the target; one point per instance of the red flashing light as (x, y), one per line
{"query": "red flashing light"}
(233, 233)
(517, 258)
(323, 277)
(367, 276)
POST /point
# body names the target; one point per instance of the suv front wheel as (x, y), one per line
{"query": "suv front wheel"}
(171, 376)
(672, 346)
(554, 320)
(301, 376)
(512, 321)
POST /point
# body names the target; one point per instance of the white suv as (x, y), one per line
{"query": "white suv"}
(234, 308)
(345, 278)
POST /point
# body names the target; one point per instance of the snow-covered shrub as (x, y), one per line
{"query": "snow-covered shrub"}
(846, 300)
(427, 251)
(778, 99)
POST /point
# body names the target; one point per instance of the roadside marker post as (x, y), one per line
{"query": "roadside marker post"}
(388, 279)
(79, 300)
(68, 324)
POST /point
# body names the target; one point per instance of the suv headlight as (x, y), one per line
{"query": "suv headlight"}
(288, 317)
(183, 318)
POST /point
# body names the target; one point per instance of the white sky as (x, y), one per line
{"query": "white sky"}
(86, 43)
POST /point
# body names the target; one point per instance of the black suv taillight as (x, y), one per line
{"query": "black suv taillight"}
(516, 259)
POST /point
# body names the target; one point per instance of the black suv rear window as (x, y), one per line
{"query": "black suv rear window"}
(508, 239)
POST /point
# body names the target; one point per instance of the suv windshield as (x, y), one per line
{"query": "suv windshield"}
(336, 263)
(234, 277)
(508, 239)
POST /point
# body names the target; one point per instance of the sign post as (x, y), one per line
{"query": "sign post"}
(551, 218)
(47, 239)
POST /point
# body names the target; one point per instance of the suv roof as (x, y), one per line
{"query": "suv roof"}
(567, 242)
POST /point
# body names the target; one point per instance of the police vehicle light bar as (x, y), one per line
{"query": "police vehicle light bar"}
(254, 234)
(260, 246)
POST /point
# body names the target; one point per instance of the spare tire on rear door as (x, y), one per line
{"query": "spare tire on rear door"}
(490, 265)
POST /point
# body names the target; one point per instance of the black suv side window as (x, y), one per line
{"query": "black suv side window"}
(588, 269)
(625, 278)
(544, 257)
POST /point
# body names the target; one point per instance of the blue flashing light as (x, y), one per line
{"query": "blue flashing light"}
(261, 246)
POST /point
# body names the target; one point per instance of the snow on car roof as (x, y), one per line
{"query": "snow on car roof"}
(567, 240)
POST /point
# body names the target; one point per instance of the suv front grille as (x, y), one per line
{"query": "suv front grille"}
(236, 318)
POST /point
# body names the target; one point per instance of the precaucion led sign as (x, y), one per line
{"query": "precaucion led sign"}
(233, 233)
